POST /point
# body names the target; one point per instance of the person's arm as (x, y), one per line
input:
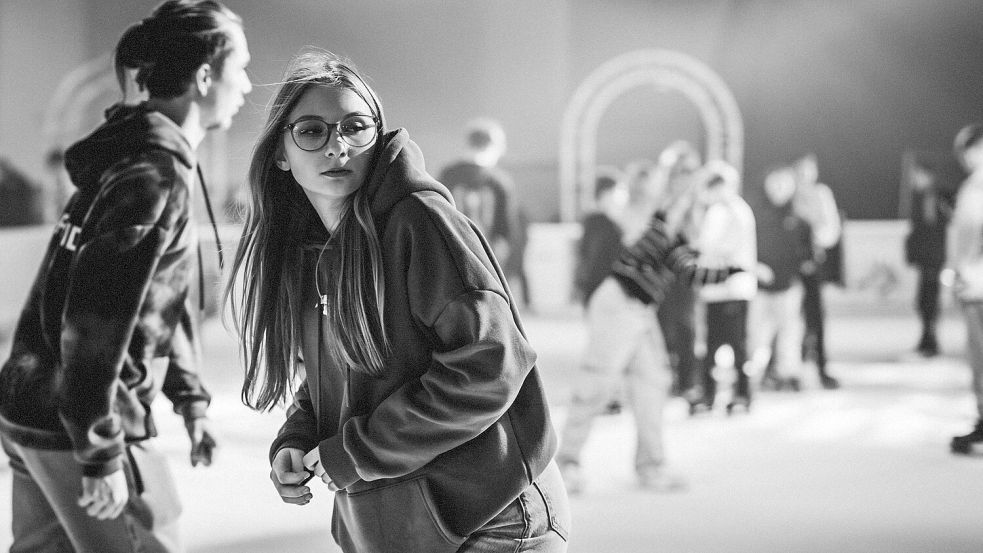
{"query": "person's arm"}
(110, 276)
(299, 430)
(681, 259)
(182, 385)
(479, 361)
(297, 436)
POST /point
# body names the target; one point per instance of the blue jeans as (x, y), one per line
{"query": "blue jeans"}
(536, 521)
(46, 517)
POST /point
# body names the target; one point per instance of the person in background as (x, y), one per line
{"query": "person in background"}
(374, 305)
(600, 241)
(925, 248)
(677, 165)
(484, 192)
(21, 201)
(814, 202)
(784, 254)
(965, 259)
(108, 323)
(727, 239)
(626, 345)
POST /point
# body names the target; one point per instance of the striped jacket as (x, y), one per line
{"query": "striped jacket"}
(646, 268)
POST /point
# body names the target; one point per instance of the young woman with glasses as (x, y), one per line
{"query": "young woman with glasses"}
(366, 298)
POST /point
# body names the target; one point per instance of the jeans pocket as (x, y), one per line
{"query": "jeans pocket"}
(554, 496)
(401, 516)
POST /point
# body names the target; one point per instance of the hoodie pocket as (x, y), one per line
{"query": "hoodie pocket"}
(394, 517)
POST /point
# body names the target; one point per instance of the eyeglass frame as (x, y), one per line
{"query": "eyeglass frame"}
(336, 126)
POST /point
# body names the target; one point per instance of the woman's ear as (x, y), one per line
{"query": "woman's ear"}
(283, 164)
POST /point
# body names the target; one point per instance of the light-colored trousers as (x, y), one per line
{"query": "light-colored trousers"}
(47, 518)
(776, 318)
(973, 313)
(625, 348)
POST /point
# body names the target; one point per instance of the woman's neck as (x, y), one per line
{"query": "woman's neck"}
(328, 209)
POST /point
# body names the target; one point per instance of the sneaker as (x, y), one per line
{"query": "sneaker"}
(964, 444)
(573, 477)
(659, 480)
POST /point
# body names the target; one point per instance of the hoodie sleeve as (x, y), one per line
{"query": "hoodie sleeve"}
(182, 385)
(300, 426)
(478, 363)
(130, 226)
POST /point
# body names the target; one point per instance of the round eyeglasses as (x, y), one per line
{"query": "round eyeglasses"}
(312, 133)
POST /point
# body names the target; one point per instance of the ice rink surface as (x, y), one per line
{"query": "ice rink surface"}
(862, 469)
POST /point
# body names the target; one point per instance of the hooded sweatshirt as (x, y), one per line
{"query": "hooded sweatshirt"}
(457, 425)
(106, 325)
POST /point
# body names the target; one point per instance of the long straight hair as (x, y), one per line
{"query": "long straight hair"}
(269, 261)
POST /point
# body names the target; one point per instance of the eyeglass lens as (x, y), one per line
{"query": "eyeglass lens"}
(313, 134)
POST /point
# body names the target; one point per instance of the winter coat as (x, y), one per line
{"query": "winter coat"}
(106, 325)
(457, 425)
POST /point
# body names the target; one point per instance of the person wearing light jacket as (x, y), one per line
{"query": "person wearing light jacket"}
(109, 323)
(727, 238)
(366, 298)
(965, 260)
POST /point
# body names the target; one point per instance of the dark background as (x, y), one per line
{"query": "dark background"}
(857, 82)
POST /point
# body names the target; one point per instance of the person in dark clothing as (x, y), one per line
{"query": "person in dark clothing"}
(925, 248)
(677, 165)
(107, 324)
(784, 243)
(365, 297)
(483, 191)
(600, 239)
(814, 202)
(20, 199)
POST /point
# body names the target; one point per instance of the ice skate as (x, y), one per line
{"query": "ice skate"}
(964, 444)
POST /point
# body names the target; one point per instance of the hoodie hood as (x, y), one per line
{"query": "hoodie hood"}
(127, 131)
(399, 171)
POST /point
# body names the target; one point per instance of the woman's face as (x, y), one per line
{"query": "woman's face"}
(336, 169)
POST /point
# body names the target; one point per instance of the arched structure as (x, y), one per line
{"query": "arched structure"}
(665, 70)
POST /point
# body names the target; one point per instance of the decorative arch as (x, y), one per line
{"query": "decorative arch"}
(665, 70)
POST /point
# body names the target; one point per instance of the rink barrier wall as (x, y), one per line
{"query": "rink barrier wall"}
(877, 278)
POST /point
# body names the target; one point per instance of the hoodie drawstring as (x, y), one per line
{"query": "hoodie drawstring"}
(218, 242)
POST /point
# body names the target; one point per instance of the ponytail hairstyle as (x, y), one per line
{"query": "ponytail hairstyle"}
(167, 48)
(269, 269)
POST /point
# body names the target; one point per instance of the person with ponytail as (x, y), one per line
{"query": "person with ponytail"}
(109, 322)
(373, 307)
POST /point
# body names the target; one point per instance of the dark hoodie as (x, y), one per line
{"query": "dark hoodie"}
(106, 325)
(784, 245)
(457, 425)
